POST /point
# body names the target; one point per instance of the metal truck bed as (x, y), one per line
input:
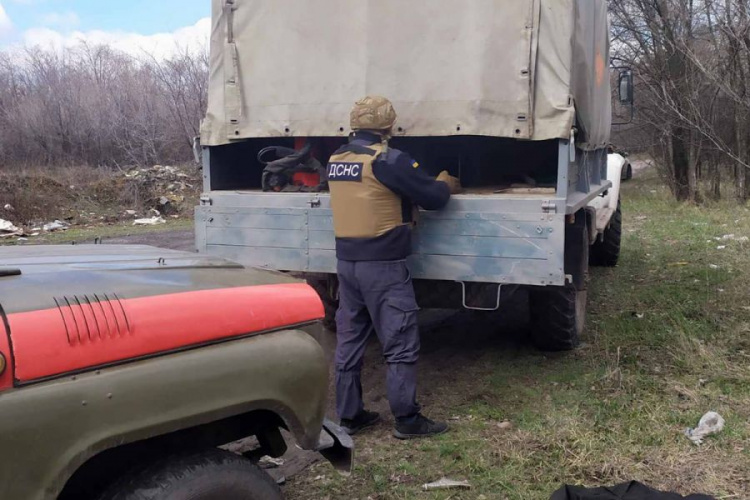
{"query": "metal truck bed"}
(506, 238)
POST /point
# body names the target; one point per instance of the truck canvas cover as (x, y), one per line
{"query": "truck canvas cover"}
(524, 69)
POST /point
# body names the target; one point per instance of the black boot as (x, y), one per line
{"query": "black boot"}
(420, 427)
(361, 421)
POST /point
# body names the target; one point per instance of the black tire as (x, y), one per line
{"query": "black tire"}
(606, 253)
(629, 175)
(558, 313)
(205, 475)
(558, 317)
(330, 304)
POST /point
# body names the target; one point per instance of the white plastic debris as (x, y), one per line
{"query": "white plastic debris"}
(9, 207)
(447, 484)
(8, 227)
(713, 266)
(267, 462)
(728, 237)
(57, 225)
(711, 423)
(130, 212)
(153, 221)
(743, 239)
(721, 247)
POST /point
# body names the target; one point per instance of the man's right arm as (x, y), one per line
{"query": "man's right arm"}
(406, 179)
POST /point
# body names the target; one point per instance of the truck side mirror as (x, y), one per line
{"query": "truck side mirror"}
(625, 87)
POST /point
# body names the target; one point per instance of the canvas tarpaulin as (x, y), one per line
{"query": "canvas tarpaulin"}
(526, 69)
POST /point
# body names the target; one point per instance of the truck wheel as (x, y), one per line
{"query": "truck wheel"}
(558, 316)
(207, 475)
(606, 252)
(330, 304)
(558, 313)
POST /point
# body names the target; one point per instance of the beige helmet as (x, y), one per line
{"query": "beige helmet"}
(373, 113)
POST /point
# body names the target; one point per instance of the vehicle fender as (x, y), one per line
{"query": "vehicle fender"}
(615, 164)
(48, 430)
(6, 356)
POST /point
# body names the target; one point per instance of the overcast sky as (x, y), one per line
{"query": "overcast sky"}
(154, 26)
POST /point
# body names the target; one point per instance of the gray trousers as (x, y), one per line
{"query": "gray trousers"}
(377, 297)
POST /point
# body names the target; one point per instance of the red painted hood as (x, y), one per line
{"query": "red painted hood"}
(84, 332)
(6, 377)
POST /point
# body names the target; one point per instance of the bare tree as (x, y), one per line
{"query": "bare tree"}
(93, 105)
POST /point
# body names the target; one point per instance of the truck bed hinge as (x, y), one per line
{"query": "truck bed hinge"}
(206, 201)
(549, 207)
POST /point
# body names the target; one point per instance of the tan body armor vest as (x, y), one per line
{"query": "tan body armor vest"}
(362, 206)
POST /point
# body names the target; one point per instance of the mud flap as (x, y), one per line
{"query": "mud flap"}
(337, 447)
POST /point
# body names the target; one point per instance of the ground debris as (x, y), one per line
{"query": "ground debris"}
(447, 484)
(267, 462)
(151, 221)
(56, 225)
(9, 230)
(711, 423)
(505, 425)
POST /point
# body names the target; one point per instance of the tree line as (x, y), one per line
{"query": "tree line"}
(691, 59)
(93, 105)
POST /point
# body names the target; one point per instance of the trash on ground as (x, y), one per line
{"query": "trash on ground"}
(152, 221)
(9, 207)
(711, 423)
(57, 225)
(267, 462)
(7, 228)
(130, 212)
(713, 266)
(721, 247)
(505, 425)
(447, 484)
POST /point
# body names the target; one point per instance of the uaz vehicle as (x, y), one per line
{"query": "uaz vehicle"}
(513, 97)
(124, 369)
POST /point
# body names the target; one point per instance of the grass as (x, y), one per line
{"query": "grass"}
(89, 233)
(668, 339)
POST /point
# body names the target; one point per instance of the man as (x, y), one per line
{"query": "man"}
(374, 193)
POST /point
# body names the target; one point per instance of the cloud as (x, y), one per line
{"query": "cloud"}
(191, 38)
(64, 20)
(6, 25)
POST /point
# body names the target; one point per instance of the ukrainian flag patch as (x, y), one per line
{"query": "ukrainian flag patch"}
(415, 165)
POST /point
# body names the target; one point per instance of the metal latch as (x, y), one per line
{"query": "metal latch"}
(206, 201)
(549, 206)
(315, 202)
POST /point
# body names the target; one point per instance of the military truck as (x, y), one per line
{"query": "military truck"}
(124, 370)
(512, 96)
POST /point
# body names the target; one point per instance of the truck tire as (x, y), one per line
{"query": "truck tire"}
(330, 303)
(205, 475)
(558, 313)
(606, 253)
